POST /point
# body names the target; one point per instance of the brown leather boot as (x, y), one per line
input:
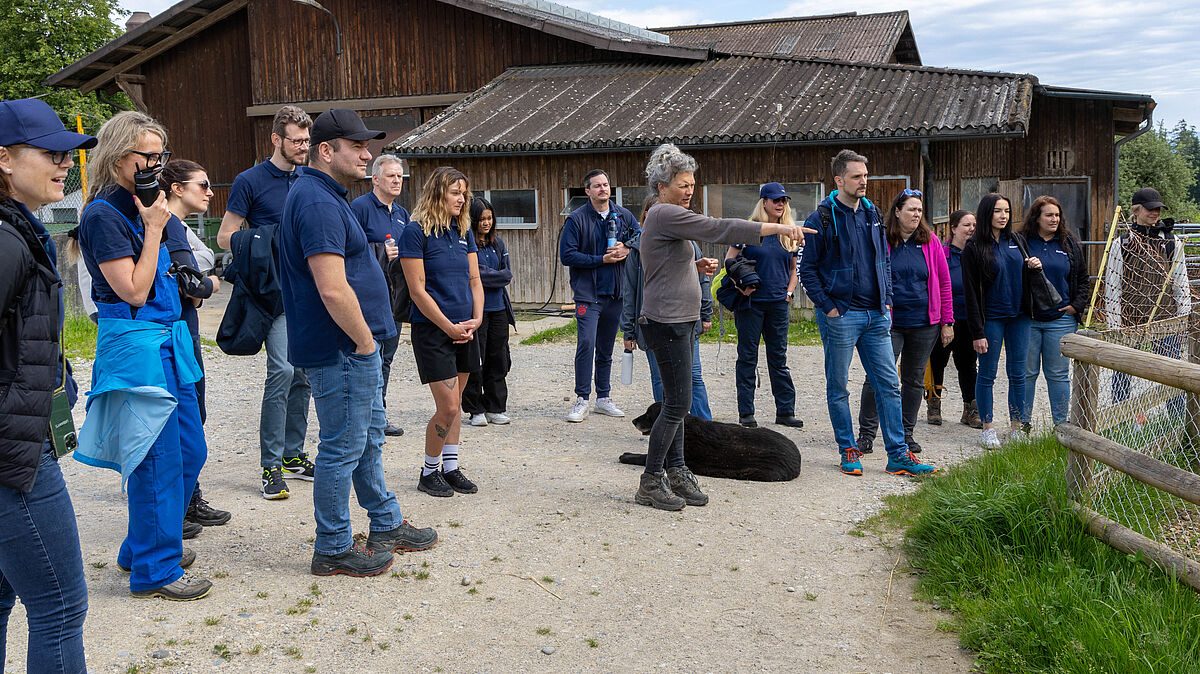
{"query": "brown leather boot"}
(970, 415)
(933, 411)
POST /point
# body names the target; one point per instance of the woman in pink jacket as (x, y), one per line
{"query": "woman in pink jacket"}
(922, 311)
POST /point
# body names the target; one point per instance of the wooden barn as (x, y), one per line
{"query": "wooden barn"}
(552, 92)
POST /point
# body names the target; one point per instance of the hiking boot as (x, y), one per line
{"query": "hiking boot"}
(989, 439)
(191, 530)
(272, 484)
(907, 465)
(579, 411)
(866, 445)
(392, 430)
(459, 482)
(184, 589)
(790, 421)
(200, 512)
(404, 537)
(498, 418)
(654, 491)
(435, 484)
(748, 422)
(851, 464)
(478, 420)
(683, 484)
(355, 562)
(933, 411)
(185, 560)
(970, 415)
(607, 407)
(299, 467)
(913, 446)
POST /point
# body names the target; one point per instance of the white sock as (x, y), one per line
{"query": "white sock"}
(431, 464)
(449, 458)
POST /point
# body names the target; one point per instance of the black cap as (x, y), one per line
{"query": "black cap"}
(1148, 198)
(341, 123)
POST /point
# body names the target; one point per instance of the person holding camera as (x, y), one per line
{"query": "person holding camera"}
(143, 398)
(765, 315)
(40, 559)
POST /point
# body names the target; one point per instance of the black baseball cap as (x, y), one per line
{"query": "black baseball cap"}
(1148, 198)
(341, 123)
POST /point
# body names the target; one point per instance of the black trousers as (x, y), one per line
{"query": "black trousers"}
(671, 344)
(487, 390)
(965, 360)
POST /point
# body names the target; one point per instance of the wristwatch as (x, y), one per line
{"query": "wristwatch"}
(790, 294)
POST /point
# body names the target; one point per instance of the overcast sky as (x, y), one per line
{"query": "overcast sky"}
(1137, 46)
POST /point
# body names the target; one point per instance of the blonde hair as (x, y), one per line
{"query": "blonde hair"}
(788, 218)
(431, 212)
(116, 138)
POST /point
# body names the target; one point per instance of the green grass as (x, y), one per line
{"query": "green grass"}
(801, 332)
(563, 333)
(995, 541)
(79, 337)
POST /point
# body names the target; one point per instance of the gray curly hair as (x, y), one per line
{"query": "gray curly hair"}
(665, 163)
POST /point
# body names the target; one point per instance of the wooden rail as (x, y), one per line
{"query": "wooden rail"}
(1170, 371)
(1131, 542)
(1146, 469)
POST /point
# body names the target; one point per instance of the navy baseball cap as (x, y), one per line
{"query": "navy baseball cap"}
(772, 191)
(341, 123)
(32, 122)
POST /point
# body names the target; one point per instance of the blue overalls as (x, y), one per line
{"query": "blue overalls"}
(160, 488)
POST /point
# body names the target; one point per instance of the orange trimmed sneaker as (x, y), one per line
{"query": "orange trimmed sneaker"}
(907, 465)
(851, 464)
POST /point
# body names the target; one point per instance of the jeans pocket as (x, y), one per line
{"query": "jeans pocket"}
(354, 356)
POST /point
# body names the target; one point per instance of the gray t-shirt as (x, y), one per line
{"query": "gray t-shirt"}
(672, 290)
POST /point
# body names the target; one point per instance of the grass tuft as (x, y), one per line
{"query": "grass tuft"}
(79, 337)
(563, 333)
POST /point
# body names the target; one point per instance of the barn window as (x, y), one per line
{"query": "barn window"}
(515, 209)
(938, 201)
(972, 190)
(1073, 194)
(632, 198)
(738, 201)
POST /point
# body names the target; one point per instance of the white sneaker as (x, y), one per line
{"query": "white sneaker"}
(580, 411)
(989, 439)
(607, 407)
(478, 420)
(498, 418)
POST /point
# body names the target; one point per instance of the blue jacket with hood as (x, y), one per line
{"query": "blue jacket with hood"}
(827, 269)
(582, 247)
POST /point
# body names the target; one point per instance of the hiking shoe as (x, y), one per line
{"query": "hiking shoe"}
(989, 439)
(191, 530)
(392, 430)
(748, 422)
(184, 589)
(356, 561)
(200, 512)
(607, 407)
(272, 484)
(933, 411)
(435, 484)
(498, 418)
(913, 446)
(404, 537)
(654, 491)
(683, 484)
(459, 482)
(579, 411)
(185, 560)
(791, 421)
(299, 467)
(478, 420)
(907, 465)
(970, 415)
(851, 464)
(866, 446)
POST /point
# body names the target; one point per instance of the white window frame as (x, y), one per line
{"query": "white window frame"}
(487, 194)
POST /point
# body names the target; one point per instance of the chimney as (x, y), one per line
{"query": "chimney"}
(136, 19)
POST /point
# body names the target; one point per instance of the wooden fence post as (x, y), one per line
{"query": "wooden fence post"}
(1085, 398)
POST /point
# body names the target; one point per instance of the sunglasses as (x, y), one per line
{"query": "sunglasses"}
(783, 200)
(912, 193)
(154, 158)
(204, 184)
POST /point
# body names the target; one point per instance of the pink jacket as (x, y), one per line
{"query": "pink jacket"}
(941, 296)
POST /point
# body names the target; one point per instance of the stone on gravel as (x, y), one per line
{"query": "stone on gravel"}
(548, 650)
(466, 581)
(161, 654)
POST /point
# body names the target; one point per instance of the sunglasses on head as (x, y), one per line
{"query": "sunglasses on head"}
(912, 193)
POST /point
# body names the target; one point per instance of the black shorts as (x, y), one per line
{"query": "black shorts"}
(438, 357)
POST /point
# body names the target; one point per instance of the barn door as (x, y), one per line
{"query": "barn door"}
(882, 190)
(1013, 190)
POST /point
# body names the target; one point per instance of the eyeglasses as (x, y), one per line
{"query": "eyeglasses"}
(298, 142)
(154, 158)
(913, 193)
(204, 184)
(58, 157)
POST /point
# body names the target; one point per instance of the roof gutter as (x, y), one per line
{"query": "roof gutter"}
(1092, 94)
(1117, 156)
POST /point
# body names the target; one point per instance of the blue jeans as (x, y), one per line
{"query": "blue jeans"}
(768, 322)
(1044, 354)
(597, 324)
(869, 332)
(349, 402)
(40, 562)
(1013, 334)
(284, 419)
(672, 345)
(699, 391)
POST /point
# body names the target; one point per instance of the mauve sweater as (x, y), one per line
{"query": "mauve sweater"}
(672, 288)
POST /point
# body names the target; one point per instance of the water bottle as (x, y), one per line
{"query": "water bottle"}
(389, 243)
(627, 367)
(612, 230)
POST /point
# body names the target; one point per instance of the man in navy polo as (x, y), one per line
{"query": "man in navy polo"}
(329, 275)
(381, 218)
(592, 247)
(257, 200)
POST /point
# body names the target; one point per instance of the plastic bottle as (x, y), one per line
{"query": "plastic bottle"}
(612, 231)
(389, 243)
(627, 367)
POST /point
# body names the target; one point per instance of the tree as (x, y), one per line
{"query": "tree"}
(1185, 143)
(1150, 161)
(40, 37)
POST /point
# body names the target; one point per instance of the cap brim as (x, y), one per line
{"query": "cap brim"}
(1152, 205)
(62, 141)
(367, 134)
(776, 196)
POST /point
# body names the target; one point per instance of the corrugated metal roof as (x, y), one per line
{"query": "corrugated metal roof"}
(729, 101)
(871, 38)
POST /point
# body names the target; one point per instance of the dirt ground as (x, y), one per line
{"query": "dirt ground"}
(550, 567)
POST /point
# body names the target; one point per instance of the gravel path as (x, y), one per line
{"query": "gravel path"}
(551, 567)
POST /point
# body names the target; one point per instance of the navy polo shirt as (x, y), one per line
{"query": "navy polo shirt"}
(377, 220)
(1058, 270)
(1002, 298)
(176, 237)
(862, 245)
(774, 265)
(317, 219)
(447, 272)
(493, 298)
(910, 286)
(258, 193)
(954, 263)
(104, 235)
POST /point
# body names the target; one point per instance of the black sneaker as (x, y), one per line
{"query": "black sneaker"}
(791, 421)
(404, 537)
(748, 422)
(200, 512)
(865, 446)
(187, 559)
(355, 562)
(184, 589)
(191, 530)
(272, 484)
(392, 430)
(435, 484)
(459, 482)
(913, 446)
(299, 467)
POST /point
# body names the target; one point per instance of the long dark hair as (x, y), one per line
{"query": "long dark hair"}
(892, 223)
(982, 239)
(478, 206)
(1030, 228)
